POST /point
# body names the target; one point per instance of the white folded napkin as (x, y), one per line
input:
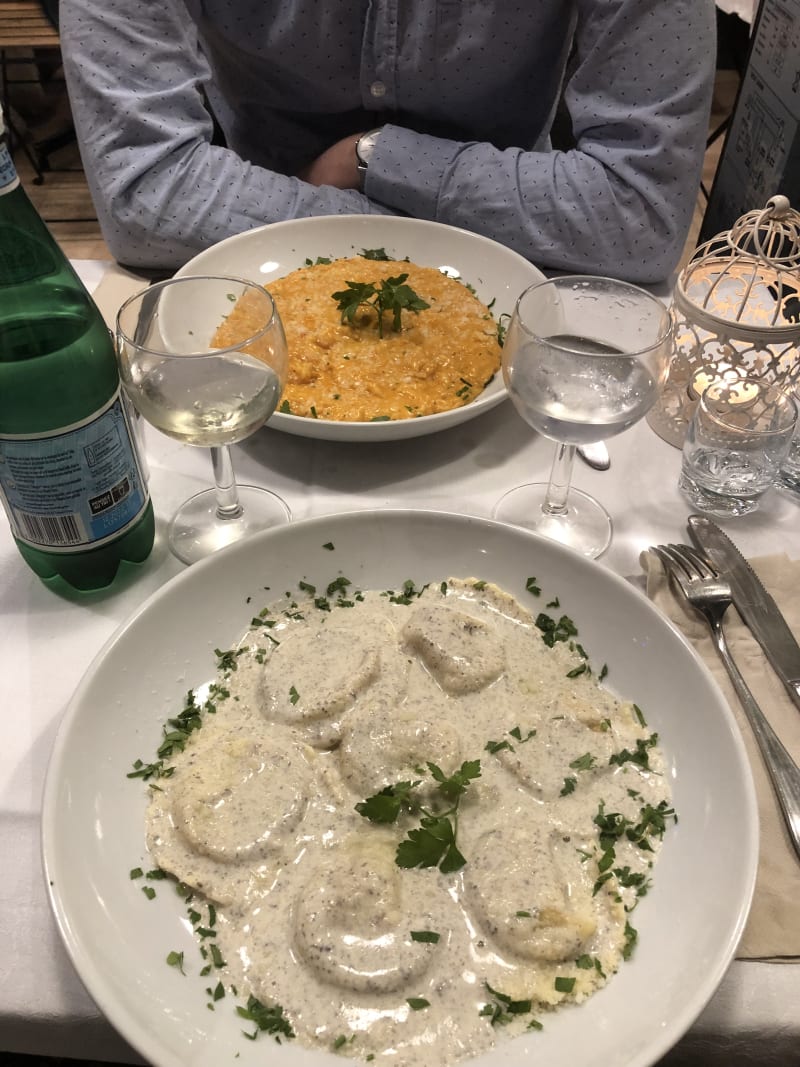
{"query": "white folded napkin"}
(116, 285)
(773, 927)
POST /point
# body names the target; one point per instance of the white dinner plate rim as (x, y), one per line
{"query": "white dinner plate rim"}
(146, 1043)
(379, 431)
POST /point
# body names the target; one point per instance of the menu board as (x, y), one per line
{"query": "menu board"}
(761, 153)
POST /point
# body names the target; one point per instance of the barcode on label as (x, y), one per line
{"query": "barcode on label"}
(51, 529)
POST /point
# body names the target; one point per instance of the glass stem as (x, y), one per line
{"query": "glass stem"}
(560, 480)
(228, 506)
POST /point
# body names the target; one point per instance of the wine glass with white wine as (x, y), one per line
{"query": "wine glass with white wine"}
(204, 360)
(584, 358)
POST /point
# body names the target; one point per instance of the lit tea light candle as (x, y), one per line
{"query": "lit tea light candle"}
(723, 377)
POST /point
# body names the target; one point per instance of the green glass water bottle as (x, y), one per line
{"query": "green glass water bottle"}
(71, 478)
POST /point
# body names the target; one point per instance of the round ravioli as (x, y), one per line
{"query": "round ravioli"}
(530, 894)
(243, 800)
(459, 650)
(315, 676)
(353, 919)
(381, 746)
(558, 757)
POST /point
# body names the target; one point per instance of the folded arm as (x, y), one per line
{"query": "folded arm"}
(621, 201)
(162, 190)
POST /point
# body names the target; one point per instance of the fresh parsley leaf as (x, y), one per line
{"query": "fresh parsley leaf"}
(433, 844)
(454, 786)
(392, 298)
(384, 807)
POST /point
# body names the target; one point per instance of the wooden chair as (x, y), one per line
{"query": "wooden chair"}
(24, 26)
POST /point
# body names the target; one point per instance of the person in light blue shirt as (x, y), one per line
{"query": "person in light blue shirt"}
(199, 119)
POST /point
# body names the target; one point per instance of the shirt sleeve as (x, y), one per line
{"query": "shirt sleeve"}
(162, 190)
(621, 201)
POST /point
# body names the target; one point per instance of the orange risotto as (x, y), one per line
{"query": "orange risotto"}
(441, 358)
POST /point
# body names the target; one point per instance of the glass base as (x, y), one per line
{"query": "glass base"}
(585, 526)
(720, 504)
(198, 530)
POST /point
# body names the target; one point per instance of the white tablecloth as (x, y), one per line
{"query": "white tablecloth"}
(47, 642)
(745, 9)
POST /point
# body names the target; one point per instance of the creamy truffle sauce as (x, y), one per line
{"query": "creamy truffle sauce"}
(315, 915)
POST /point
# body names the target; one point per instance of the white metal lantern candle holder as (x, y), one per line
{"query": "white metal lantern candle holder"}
(736, 312)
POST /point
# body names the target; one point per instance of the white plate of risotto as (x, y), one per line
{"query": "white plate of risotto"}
(448, 899)
(372, 357)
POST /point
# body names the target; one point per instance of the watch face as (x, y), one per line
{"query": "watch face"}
(365, 147)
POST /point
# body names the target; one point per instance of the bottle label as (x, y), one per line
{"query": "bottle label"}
(77, 487)
(8, 173)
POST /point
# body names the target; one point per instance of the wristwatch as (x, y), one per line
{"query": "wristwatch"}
(365, 146)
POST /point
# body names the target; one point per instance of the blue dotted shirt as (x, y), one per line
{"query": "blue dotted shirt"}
(465, 91)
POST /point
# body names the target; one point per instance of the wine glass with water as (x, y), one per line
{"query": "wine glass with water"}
(203, 360)
(584, 358)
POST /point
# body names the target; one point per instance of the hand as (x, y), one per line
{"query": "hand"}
(337, 166)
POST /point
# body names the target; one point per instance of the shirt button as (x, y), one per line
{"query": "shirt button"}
(378, 89)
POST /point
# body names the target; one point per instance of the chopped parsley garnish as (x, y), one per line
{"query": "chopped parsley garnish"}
(379, 254)
(417, 1003)
(428, 937)
(640, 756)
(583, 763)
(504, 1008)
(553, 631)
(175, 959)
(408, 594)
(564, 985)
(516, 732)
(498, 746)
(268, 1019)
(613, 826)
(631, 937)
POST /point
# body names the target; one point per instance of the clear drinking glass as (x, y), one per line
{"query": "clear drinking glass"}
(584, 358)
(204, 361)
(789, 474)
(738, 437)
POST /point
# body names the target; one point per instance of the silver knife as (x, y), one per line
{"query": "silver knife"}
(759, 611)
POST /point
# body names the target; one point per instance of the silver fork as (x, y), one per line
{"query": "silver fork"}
(710, 595)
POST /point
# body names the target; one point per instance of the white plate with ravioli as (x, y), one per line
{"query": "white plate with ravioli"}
(496, 273)
(121, 942)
